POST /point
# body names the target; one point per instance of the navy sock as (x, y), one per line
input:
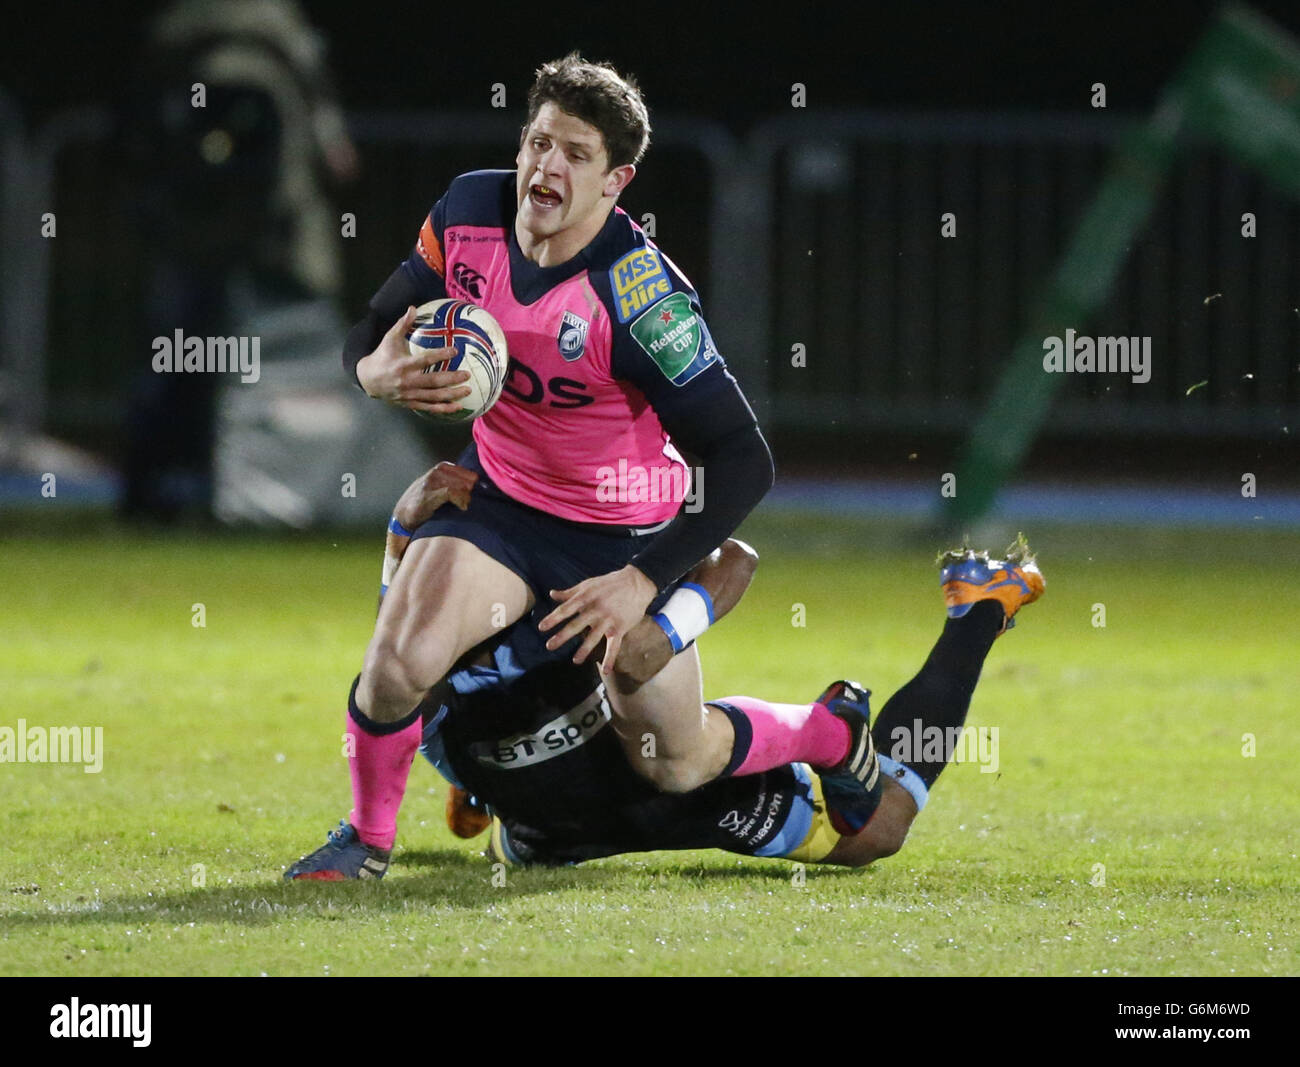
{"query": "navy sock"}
(366, 723)
(939, 695)
(743, 739)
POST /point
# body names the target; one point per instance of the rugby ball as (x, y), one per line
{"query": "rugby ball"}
(480, 346)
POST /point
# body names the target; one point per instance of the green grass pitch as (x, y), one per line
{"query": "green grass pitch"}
(1128, 829)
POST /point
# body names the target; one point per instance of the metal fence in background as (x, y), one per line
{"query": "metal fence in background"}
(906, 328)
(815, 231)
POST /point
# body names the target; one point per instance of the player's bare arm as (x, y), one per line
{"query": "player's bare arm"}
(446, 483)
(725, 576)
(883, 836)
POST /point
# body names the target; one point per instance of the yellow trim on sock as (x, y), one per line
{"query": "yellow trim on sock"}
(822, 837)
(496, 850)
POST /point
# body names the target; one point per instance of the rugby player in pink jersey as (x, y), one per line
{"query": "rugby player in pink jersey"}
(576, 518)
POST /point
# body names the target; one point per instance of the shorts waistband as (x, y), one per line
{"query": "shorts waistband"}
(614, 530)
(605, 529)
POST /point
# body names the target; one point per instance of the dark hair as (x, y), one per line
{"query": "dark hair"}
(599, 95)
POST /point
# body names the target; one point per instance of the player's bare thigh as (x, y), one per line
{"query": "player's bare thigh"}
(668, 734)
(447, 597)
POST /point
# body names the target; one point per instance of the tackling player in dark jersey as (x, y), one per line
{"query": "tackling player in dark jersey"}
(532, 738)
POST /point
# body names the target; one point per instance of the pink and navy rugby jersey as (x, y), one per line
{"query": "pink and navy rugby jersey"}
(597, 345)
(612, 370)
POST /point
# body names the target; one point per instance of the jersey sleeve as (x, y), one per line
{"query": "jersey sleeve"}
(428, 245)
(419, 279)
(662, 345)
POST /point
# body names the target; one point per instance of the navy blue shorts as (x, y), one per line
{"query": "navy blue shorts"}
(547, 552)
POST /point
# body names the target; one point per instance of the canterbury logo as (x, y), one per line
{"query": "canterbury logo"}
(468, 279)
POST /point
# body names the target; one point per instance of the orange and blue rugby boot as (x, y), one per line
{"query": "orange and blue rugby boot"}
(968, 577)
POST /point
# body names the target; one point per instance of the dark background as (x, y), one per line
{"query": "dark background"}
(734, 63)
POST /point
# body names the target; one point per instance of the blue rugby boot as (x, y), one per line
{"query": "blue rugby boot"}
(852, 790)
(343, 856)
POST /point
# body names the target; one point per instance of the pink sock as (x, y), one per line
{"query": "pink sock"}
(789, 733)
(380, 766)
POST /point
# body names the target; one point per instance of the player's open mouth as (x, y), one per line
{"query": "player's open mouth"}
(544, 196)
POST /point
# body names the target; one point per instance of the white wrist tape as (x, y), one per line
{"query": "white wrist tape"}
(390, 568)
(395, 529)
(688, 613)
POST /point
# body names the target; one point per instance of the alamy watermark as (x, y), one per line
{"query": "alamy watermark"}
(53, 744)
(76, 1019)
(1098, 355)
(919, 743)
(637, 485)
(179, 354)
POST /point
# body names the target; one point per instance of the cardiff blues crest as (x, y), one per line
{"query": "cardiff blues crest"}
(573, 336)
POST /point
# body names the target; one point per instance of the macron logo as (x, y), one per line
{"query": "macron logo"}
(102, 1020)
